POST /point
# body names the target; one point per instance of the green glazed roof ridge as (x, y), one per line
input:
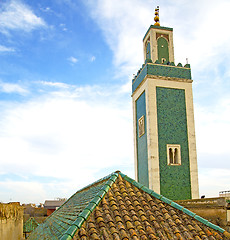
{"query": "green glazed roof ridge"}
(101, 179)
(89, 185)
(173, 204)
(82, 217)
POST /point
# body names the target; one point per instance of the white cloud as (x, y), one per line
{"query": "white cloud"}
(54, 84)
(63, 27)
(124, 24)
(15, 15)
(22, 191)
(12, 88)
(6, 49)
(67, 137)
(73, 60)
(212, 181)
(92, 59)
(213, 122)
(46, 9)
(194, 35)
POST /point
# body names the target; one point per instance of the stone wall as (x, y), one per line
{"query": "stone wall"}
(215, 210)
(11, 221)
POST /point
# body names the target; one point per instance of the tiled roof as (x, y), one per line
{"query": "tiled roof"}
(30, 225)
(117, 207)
(53, 203)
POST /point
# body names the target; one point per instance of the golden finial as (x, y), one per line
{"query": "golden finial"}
(156, 19)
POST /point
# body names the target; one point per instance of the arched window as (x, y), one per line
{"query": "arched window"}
(148, 51)
(176, 156)
(173, 154)
(170, 155)
(163, 50)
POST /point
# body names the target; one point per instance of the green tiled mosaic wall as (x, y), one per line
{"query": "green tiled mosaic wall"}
(172, 129)
(142, 148)
(160, 70)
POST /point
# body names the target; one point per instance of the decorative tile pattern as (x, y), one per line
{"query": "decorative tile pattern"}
(126, 210)
(172, 129)
(142, 148)
(161, 70)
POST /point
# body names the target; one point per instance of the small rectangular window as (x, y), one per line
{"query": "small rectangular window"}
(173, 154)
(141, 126)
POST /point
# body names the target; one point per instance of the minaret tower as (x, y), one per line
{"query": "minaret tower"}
(164, 132)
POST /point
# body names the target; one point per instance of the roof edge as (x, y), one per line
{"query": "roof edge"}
(83, 216)
(175, 205)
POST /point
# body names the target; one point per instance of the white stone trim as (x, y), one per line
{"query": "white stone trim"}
(151, 131)
(152, 138)
(135, 96)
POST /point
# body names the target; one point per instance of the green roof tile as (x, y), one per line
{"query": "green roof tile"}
(185, 210)
(166, 200)
(66, 237)
(71, 231)
(91, 206)
(85, 213)
(30, 225)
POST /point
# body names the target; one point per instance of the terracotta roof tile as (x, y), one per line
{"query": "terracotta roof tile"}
(124, 211)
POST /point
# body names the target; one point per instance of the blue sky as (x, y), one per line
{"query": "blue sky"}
(65, 86)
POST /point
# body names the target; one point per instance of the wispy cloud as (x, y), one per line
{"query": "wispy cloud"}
(72, 60)
(63, 27)
(54, 84)
(92, 59)
(46, 9)
(16, 15)
(125, 40)
(6, 49)
(12, 88)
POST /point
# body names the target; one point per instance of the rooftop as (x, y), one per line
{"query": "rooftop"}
(118, 207)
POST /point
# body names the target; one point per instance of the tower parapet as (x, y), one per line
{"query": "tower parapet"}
(170, 71)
